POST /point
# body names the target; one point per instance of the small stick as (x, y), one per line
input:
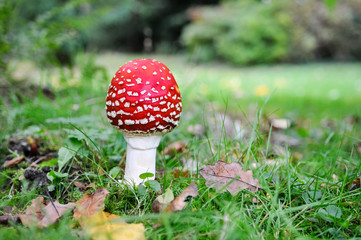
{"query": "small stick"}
(51, 200)
(309, 185)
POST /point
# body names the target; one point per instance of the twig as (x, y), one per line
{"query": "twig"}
(71, 183)
(236, 179)
(309, 185)
(51, 200)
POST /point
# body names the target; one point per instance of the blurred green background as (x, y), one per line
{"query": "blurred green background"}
(240, 32)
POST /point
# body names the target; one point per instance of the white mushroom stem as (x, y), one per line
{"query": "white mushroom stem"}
(141, 156)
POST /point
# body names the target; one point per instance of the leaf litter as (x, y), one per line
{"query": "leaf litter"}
(229, 176)
(102, 225)
(167, 203)
(42, 215)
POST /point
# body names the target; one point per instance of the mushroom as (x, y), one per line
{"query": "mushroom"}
(143, 103)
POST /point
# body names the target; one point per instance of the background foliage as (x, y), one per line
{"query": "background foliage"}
(248, 32)
(240, 32)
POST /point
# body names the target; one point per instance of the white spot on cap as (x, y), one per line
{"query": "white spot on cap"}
(121, 82)
(122, 99)
(163, 87)
(113, 95)
(130, 93)
(128, 80)
(160, 127)
(169, 78)
(135, 94)
(139, 80)
(147, 82)
(120, 122)
(156, 109)
(144, 91)
(151, 118)
(144, 121)
(154, 90)
(154, 73)
(162, 102)
(130, 85)
(121, 91)
(127, 104)
(121, 112)
(155, 100)
(128, 71)
(116, 103)
(129, 122)
(114, 114)
(140, 109)
(144, 67)
(108, 103)
(164, 109)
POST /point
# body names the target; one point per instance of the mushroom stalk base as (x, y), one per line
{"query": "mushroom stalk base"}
(141, 156)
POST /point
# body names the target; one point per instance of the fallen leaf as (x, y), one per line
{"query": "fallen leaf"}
(90, 204)
(101, 225)
(355, 184)
(229, 177)
(13, 162)
(8, 216)
(173, 148)
(167, 203)
(162, 201)
(6, 219)
(106, 226)
(80, 185)
(44, 215)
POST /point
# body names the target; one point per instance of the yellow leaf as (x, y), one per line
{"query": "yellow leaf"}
(106, 226)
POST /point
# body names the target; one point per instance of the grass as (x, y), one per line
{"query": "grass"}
(306, 185)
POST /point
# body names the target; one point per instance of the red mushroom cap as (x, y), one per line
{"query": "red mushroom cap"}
(144, 98)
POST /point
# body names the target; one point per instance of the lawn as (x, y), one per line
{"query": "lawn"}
(308, 169)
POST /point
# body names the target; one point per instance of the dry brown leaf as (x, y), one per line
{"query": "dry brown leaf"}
(174, 148)
(13, 162)
(355, 184)
(101, 225)
(106, 226)
(44, 215)
(90, 204)
(167, 203)
(229, 177)
(80, 185)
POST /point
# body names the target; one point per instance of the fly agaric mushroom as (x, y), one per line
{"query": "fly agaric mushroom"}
(143, 103)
